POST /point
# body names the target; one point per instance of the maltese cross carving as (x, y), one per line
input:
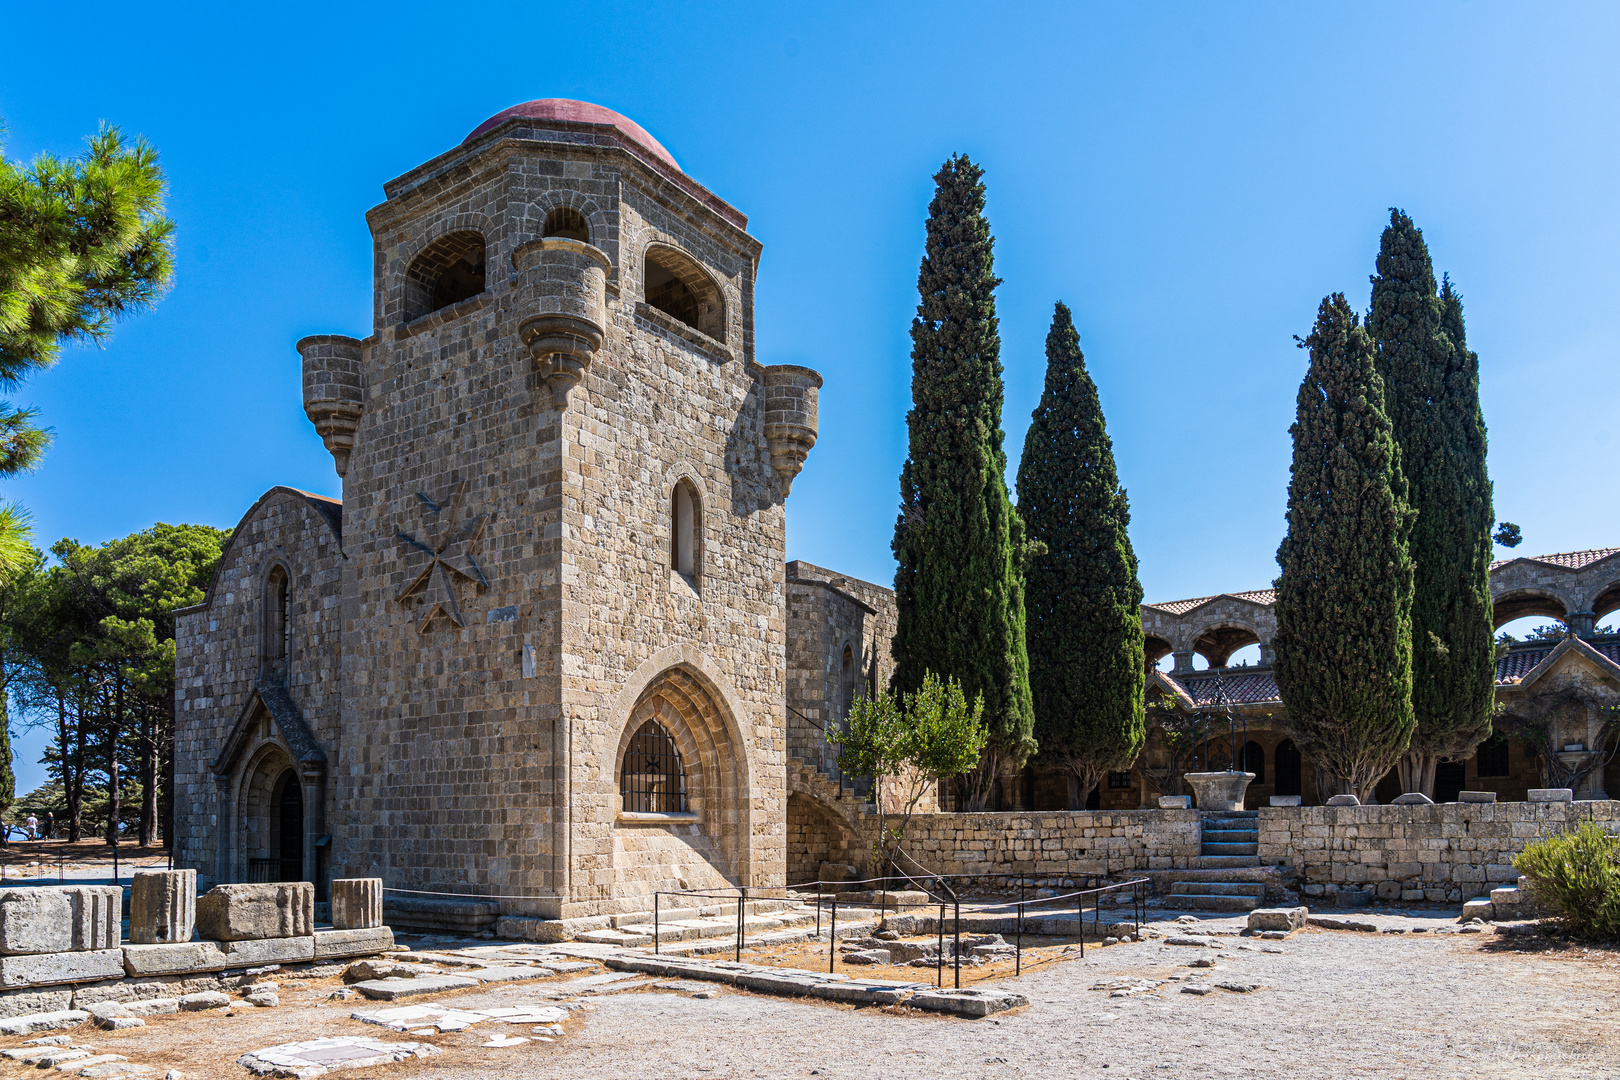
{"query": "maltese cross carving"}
(439, 555)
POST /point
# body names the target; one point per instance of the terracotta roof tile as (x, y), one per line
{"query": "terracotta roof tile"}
(1181, 607)
(1245, 689)
(1570, 560)
(1514, 666)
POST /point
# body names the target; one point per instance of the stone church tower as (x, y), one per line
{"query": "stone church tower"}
(537, 652)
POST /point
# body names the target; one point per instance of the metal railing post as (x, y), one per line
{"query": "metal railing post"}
(655, 923)
(1080, 915)
(1018, 961)
(742, 899)
(818, 910)
(956, 943)
(832, 937)
(939, 966)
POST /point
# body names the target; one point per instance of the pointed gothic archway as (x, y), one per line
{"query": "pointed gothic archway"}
(680, 782)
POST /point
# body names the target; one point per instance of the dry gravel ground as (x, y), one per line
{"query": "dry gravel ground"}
(1331, 1004)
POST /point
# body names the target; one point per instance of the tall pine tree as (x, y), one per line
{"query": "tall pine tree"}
(1432, 385)
(959, 542)
(1343, 647)
(1083, 614)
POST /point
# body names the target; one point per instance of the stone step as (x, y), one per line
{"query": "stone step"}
(671, 909)
(1224, 862)
(1230, 849)
(1210, 830)
(1213, 902)
(1218, 888)
(690, 929)
(1231, 815)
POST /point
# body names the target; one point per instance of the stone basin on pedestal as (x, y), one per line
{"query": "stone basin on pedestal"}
(1219, 790)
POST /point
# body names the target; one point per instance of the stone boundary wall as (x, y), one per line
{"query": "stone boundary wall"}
(1053, 844)
(1445, 852)
(1442, 853)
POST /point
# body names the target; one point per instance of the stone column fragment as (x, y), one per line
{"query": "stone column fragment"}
(162, 907)
(357, 903)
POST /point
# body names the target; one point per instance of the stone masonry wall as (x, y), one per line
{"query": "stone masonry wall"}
(1054, 844)
(1446, 852)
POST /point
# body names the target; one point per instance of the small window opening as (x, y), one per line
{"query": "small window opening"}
(1493, 756)
(448, 271)
(1254, 760)
(567, 223)
(1449, 779)
(675, 285)
(669, 294)
(652, 780)
(683, 531)
(275, 617)
(1119, 781)
(1288, 765)
(846, 683)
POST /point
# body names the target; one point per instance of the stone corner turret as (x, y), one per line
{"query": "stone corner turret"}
(791, 397)
(333, 392)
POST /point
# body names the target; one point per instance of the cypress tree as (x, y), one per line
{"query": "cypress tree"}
(1343, 647)
(1432, 383)
(959, 542)
(1083, 613)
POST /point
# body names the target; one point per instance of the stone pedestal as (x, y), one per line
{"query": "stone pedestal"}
(1219, 790)
(357, 903)
(252, 912)
(162, 907)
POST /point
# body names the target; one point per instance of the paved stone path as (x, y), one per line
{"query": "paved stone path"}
(1328, 1004)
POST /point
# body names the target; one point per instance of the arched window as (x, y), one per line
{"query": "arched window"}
(846, 683)
(448, 271)
(568, 223)
(651, 780)
(675, 285)
(275, 617)
(683, 531)
(1254, 760)
(1287, 768)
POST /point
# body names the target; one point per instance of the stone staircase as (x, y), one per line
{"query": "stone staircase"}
(1230, 842)
(839, 795)
(712, 927)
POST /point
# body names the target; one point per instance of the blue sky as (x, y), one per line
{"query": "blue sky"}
(1190, 179)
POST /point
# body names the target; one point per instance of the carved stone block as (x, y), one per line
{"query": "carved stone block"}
(60, 918)
(162, 907)
(252, 912)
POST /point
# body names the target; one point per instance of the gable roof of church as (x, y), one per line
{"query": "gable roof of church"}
(330, 510)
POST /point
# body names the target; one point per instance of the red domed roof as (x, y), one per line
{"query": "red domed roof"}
(577, 112)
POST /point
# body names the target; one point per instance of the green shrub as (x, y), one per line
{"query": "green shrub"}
(1577, 873)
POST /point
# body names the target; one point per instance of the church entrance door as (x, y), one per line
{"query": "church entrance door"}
(291, 813)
